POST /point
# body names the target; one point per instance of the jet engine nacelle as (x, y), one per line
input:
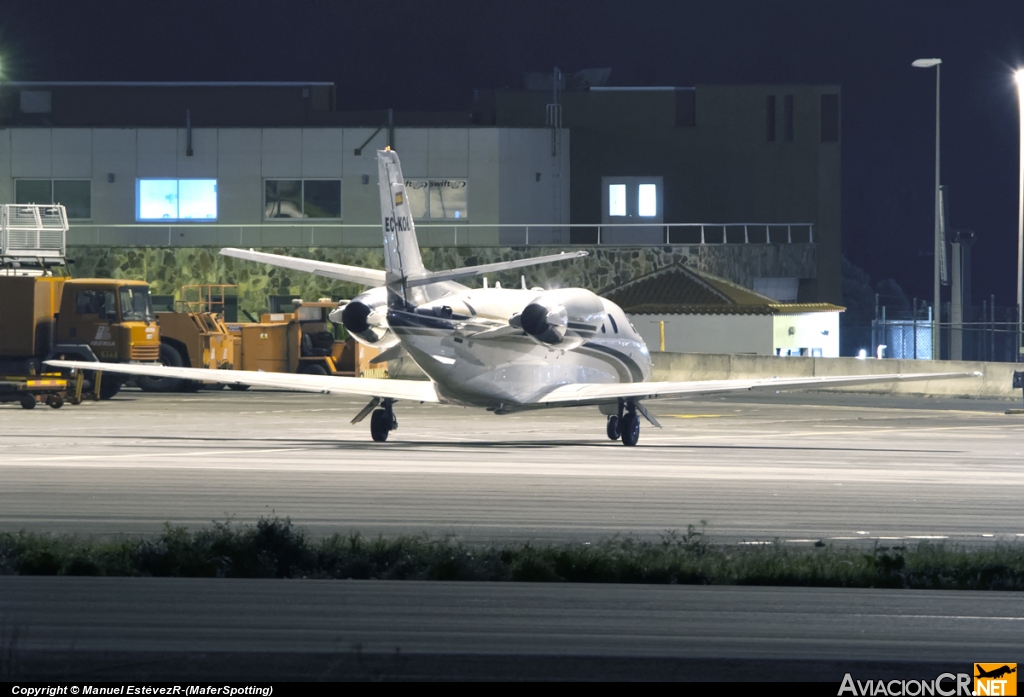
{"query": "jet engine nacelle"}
(366, 318)
(563, 318)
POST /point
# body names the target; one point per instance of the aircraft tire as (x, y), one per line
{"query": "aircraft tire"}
(379, 425)
(613, 427)
(631, 430)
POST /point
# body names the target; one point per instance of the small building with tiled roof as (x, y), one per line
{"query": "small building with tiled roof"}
(684, 310)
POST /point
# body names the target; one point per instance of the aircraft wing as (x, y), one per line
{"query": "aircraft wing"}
(411, 390)
(352, 274)
(592, 393)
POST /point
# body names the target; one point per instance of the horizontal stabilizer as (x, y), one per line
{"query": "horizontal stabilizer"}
(426, 277)
(341, 272)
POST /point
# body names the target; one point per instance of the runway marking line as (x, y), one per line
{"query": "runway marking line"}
(693, 416)
(200, 453)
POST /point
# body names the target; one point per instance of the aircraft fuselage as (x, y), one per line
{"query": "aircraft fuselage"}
(504, 371)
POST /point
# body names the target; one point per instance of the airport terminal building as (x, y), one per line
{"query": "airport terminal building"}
(742, 182)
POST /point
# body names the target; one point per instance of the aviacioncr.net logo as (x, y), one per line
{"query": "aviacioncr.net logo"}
(995, 679)
(945, 685)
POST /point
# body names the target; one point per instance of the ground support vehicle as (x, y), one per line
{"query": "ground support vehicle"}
(304, 341)
(45, 314)
(49, 388)
(52, 389)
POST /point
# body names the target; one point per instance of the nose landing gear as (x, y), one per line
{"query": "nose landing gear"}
(383, 421)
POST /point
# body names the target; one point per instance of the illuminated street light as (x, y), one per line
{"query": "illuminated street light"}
(937, 306)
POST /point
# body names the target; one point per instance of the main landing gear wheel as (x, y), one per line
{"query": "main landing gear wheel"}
(613, 427)
(382, 422)
(630, 428)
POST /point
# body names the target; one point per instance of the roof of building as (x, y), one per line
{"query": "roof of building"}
(680, 290)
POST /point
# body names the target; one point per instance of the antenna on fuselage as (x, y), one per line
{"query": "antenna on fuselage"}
(523, 279)
(485, 281)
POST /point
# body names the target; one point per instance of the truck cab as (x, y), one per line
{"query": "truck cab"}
(114, 317)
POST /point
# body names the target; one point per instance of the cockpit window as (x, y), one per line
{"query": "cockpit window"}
(615, 328)
(602, 329)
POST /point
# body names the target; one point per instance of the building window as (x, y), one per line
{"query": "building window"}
(74, 194)
(787, 116)
(647, 200)
(770, 113)
(175, 199)
(437, 199)
(616, 199)
(830, 118)
(302, 198)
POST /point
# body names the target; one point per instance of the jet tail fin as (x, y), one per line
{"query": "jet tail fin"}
(401, 250)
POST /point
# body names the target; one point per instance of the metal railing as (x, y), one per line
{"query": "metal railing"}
(32, 231)
(509, 234)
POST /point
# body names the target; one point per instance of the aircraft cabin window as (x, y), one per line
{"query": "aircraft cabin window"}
(615, 329)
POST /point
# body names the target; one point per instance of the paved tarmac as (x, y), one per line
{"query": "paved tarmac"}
(794, 467)
(225, 629)
(851, 469)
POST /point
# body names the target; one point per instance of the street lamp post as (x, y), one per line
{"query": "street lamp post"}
(1020, 214)
(937, 306)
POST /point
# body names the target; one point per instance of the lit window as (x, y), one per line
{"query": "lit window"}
(74, 194)
(617, 199)
(176, 199)
(437, 199)
(648, 200)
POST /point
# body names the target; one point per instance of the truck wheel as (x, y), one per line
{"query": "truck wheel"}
(55, 401)
(239, 388)
(28, 401)
(110, 386)
(169, 356)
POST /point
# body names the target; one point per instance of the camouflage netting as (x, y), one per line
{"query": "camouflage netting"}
(168, 269)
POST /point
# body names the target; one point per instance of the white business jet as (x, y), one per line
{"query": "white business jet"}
(502, 349)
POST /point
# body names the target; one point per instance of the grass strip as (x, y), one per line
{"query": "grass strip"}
(275, 548)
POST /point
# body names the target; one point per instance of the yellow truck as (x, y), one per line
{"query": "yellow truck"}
(89, 319)
(44, 313)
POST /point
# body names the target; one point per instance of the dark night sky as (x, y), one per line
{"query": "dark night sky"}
(430, 55)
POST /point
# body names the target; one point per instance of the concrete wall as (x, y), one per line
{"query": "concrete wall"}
(501, 166)
(707, 333)
(995, 381)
